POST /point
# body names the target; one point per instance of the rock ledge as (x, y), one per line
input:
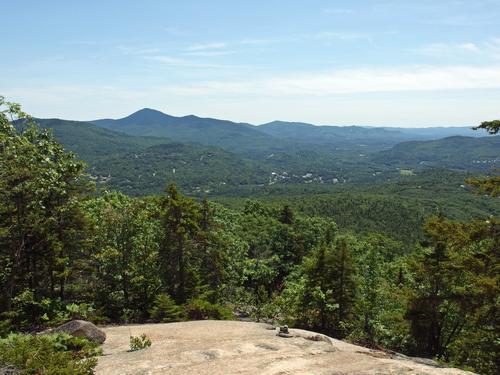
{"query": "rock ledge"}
(231, 347)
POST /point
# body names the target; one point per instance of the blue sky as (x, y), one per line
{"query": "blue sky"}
(392, 63)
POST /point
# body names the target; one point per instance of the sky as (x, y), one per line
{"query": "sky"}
(381, 62)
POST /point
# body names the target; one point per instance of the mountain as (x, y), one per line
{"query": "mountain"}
(250, 156)
(144, 165)
(464, 153)
(441, 132)
(277, 136)
(345, 137)
(236, 137)
(342, 137)
(91, 142)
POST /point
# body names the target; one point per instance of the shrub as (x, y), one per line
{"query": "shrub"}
(60, 313)
(166, 311)
(48, 354)
(29, 314)
(139, 342)
(199, 308)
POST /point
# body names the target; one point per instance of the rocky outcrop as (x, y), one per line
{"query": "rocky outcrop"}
(230, 347)
(81, 328)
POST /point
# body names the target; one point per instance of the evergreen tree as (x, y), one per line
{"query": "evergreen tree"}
(180, 222)
(489, 185)
(41, 225)
(454, 300)
(345, 285)
(212, 250)
(286, 215)
(330, 287)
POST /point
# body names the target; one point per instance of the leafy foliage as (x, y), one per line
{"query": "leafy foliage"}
(139, 342)
(453, 301)
(493, 127)
(488, 185)
(48, 354)
(41, 224)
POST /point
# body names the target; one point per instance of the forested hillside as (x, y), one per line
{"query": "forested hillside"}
(391, 192)
(398, 208)
(462, 153)
(92, 143)
(279, 153)
(199, 168)
(335, 136)
(241, 138)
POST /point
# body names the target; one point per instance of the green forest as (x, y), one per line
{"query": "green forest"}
(392, 266)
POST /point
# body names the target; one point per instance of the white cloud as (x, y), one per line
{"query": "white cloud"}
(464, 20)
(492, 47)
(255, 41)
(463, 103)
(360, 80)
(206, 46)
(167, 60)
(437, 108)
(486, 49)
(219, 48)
(447, 49)
(208, 53)
(184, 63)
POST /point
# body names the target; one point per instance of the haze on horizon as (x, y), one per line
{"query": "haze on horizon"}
(379, 63)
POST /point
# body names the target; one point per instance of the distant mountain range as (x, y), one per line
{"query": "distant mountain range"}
(229, 135)
(456, 152)
(93, 142)
(141, 152)
(242, 137)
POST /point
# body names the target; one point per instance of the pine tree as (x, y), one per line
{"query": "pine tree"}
(180, 218)
(345, 285)
(330, 287)
(286, 215)
(213, 252)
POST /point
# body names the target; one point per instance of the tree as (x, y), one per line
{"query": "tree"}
(124, 258)
(212, 250)
(330, 287)
(371, 272)
(41, 225)
(454, 299)
(489, 185)
(180, 223)
(493, 127)
(346, 285)
(286, 215)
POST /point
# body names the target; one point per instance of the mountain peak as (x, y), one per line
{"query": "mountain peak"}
(145, 116)
(148, 112)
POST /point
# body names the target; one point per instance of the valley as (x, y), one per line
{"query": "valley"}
(140, 153)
